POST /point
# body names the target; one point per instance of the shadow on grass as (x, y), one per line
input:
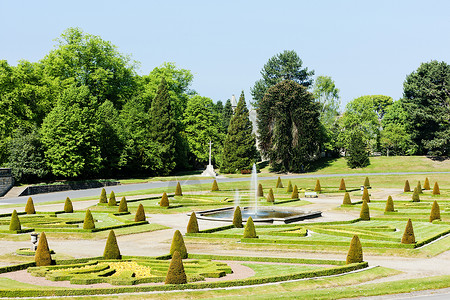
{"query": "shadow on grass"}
(322, 163)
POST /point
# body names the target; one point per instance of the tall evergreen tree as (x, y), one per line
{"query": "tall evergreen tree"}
(358, 155)
(239, 150)
(227, 114)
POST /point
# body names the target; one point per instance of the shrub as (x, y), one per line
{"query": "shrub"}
(366, 182)
(175, 273)
(317, 188)
(164, 200)
(365, 196)
(415, 195)
(355, 254)
(294, 194)
(435, 212)
(88, 221)
(192, 226)
(406, 188)
(14, 224)
(364, 214)
(103, 197)
(389, 204)
(178, 245)
(270, 197)
(347, 200)
(426, 184)
(436, 190)
(178, 191)
(140, 214)
(42, 256)
(237, 217)
(112, 199)
(408, 235)
(279, 183)
(289, 187)
(214, 187)
(260, 192)
(419, 187)
(111, 248)
(123, 206)
(342, 185)
(29, 208)
(249, 230)
(68, 207)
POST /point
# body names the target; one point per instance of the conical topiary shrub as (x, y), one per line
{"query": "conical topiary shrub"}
(176, 273)
(123, 206)
(88, 221)
(419, 187)
(68, 207)
(408, 235)
(426, 184)
(389, 204)
(192, 226)
(178, 245)
(270, 197)
(436, 190)
(317, 188)
(342, 185)
(435, 212)
(237, 217)
(355, 254)
(178, 191)
(14, 224)
(407, 188)
(140, 214)
(103, 197)
(111, 248)
(279, 183)
(289, 187)
(415, 196)
(249, 230)
(365, 196)
(260, 192)
(42, 257)
(364, 214)
(112, 199)
(347, 200)
(214, 187)
(294, 194)
(366, 182)
(29, 208)
(164, 200)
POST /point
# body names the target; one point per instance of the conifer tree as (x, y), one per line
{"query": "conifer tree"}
(294, 194)
(355, 254)
(249, 230)
(347, 200)
(426, 184)
(214, 187)
(408, 235)
(260, 190)
(342, 185)
(29, 208)
(317, 188)
(270, 197)
(279, 183)
(164, 202)
(364, 214)
(192, 226)
(237, 217)
(178, 245)
(415, 196)
(176, 273)
(14, 224)
(366, 182)
(140, 214)
(435, 212)
(123, 206)
(419, 187)
(103, 198)
(88, 220)
(358, 156)
(389, 205)
(111, 248)
(407, 188)
(289, 187)
(436, 190)
(112, 199)
(178, 191)
(239, 148)
(42, 257)
(365, 196)
(68, 207)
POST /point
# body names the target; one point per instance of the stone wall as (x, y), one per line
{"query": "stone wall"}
(40, 189)
(6, 181)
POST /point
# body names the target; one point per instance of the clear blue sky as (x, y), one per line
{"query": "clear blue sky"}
(367, 47)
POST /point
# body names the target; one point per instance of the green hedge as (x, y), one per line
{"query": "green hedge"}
(432, 238)
(91, 230)
(360, 233)
(269, 259)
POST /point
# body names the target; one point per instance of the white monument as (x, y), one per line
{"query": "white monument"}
(209, 168)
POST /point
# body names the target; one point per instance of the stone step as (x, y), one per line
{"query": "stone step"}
(14, 192)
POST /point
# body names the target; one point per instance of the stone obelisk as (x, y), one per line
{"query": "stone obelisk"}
(209, 168)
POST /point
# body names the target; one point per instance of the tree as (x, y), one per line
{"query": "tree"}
(435, 213)
(365, 213)
(355, 254)
(249, 230)
(327, 95)
(176, 273)
(279, 183)
(289, 127)
(178, 245)
(192, 226)
(436, 190)
(42, 257)
(270, 197)
(164, 202)
(407, 188)
(426, 184)
(395, 136)
(68, 207)
(112, 199)
(294, 194)
(112, 250)
(227, 114)
(29, 207)
(408, 234)
(239, 149)
(358, 156)
(237, 217)
(260, 192)
(103, 198)
(88, 222)
(426, 92)
(317, 188)
(389, 205)
(123, 206)
(342, 185)
(365, 196)
(178, 191)
(415, 196)
(140, 214)
(283, 66)
(289, 187)
(14, 223)
(347, 200)
(214, 187)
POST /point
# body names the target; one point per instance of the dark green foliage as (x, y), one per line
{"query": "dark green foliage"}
(175, 273)
(192, 226)
(365, 196)
(419, 188)
(260, 192)
(164, 202)
(317, 188)
(29, 207)
(294, 194)
(355, 254)
(178, 191)
(358, 156)
(342, 185)
(88, 221)
(123, 206)
(239, 148)
(178, 245)
(426, 184)
(279, 183)
(140, 214)
(270, 197)
(227, 114)
(237, 217)
(14, 224)
(408, 235)
(111, 248)
(389, 204)
(415, 196)
(435, 212)
(407, 187)
(43, 256)
(103, 198)
(112, 199)
(214, 187)
(347, 200)
(436, 190)
(249, 230)
(289, 187)
(364, 214)
(367, 182)
(68, 207)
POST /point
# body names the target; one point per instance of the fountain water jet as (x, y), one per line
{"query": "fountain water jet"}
(236, 198)
(254, 188)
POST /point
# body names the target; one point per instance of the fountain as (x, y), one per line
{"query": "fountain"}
(254, 187)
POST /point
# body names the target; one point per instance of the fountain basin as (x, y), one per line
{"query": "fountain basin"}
(264, 214)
